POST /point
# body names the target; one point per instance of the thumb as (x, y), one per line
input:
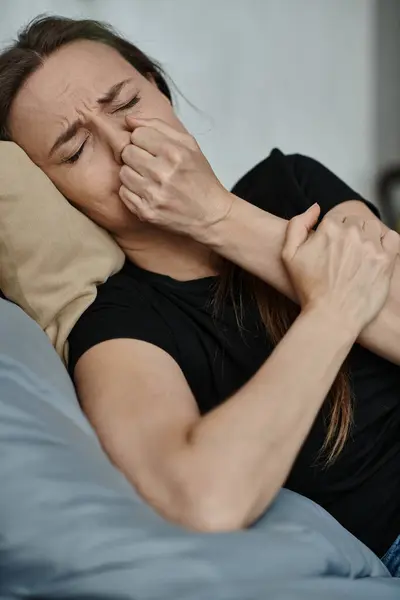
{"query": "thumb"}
(298, 230)
(309, 218)
(131, 121)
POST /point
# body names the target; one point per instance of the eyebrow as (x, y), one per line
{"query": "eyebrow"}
(73, 129)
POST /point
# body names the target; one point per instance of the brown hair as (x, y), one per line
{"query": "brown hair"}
(43, 36)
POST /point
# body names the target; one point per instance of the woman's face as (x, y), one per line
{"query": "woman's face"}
(69, 118)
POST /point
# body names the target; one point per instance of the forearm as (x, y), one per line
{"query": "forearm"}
(253, 239)
(382, 335)
(246, 447)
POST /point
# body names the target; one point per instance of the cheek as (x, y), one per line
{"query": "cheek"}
(87, 184)
(92, 187)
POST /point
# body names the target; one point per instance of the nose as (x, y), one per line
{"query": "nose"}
(115, 133)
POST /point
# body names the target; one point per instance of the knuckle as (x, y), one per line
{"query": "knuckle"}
(191, 142)
(157, 175)
(329, 223)
(160, 172)
(371, 251)
(135, 134)
(353, 234)
(174, 154)
(126, 153)
(153, 196)
(124, 171)
(384, 258)
(330, 226)
(373, 225)
(178, 153)
(354, 231)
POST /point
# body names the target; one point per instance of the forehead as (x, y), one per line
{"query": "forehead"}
(77, 73)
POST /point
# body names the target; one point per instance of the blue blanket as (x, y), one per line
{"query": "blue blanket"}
(71, 526)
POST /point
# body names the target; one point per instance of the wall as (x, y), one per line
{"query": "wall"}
(297, 74)
(387, 93)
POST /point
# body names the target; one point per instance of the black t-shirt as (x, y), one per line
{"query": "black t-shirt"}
(362, 488)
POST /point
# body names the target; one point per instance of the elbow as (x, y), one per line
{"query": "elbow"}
(217, 524)
(198, 503)
(205, 519)
(209, 513)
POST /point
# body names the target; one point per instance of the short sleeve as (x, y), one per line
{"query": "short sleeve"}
(122, 309)
(286, 185)
(319, 184)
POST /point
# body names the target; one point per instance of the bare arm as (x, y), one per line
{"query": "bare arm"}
(178, 199)
(253, 239)
(220, 471)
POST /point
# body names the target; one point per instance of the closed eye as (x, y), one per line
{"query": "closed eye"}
(129, 104)
(73, 159)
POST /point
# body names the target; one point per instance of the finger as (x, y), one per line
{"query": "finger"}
(309, 218)
(158, 125)
(151, 140)
(298, 230)
(133, 202)
(391, 246)
(372, 230)
(329, 219)
(138, 159)
(132, 180)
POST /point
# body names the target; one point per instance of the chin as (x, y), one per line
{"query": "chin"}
(112, 216)
(120, 221)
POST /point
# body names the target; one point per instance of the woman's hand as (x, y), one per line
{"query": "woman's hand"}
(344, 268)
(167, 181)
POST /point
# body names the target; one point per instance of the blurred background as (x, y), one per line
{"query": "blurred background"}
(318, 77)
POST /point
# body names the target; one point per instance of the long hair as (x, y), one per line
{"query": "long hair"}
(44, 36)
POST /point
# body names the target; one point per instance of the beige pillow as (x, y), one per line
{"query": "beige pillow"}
(51, 256)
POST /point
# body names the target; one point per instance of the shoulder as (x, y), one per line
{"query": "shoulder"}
(278, 168)
(287, 184)
(123, 308)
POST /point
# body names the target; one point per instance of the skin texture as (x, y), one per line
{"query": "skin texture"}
(156, 436)
(222, 470)
(67, 87)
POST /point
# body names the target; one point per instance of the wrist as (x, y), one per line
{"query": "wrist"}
(330, 317)
(215, 231)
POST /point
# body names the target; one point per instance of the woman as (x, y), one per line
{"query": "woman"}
(174, 362)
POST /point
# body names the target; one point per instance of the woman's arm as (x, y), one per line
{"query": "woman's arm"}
(178, 190)
(221, 471)
(253, 239)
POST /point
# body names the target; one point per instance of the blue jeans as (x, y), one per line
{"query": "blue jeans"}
(392, 558)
